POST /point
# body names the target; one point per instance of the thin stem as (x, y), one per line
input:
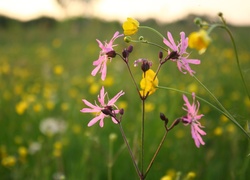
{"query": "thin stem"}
(221, 106)
(198, 97)
(151, 29)
(237, 59)
(142, 135)
(225, 113)
(110, 161)
(150, 43)
(129, 150)
(224, 26)
(156, 153)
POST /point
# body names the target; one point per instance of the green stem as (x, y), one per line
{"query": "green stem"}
(110, 161)
(142, 135)
(156, 153)
(237, 60)
(129, 150)
(148, 42)
(152, 29)
(221, 106)
(224, 26)
(223, 111)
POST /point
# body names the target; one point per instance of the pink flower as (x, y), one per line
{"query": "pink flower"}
(192, 118)
(179, 53)
(107, 53)
(100, 110)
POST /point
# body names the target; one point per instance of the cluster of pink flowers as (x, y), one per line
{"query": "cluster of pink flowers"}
(176, 53)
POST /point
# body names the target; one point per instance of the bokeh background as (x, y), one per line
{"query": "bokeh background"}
(45, 64)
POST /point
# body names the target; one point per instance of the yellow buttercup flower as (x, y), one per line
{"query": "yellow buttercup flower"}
(199, 40)
(148, 84)
(130, 26)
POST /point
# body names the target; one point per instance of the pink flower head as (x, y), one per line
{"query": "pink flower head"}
(100, 109)
(101, 62)
(179, 53)
(192, 118)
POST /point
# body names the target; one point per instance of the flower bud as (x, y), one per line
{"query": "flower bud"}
(127, 39)
(198, 21)
(130, 49)
(125, 53)
(141, 38)
(220, 14)
(163, 117)
(160, 55)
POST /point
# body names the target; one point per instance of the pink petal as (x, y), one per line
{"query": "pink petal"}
(115, 98)
(95, 119)
(87, 103)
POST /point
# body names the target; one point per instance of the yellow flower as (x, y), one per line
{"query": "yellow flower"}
(130, 26)
(58, 69)
(21, 107)
(9, 161)
(199, 40)
(148, 84)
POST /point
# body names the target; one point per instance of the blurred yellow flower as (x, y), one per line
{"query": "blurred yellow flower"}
(37, 107)
(148, 83)
(94, 88)
(223, 118)
(230, 128)
(109, 81)
(21, 107)
(76, 129)
(149, 107)
(22, 151)
(218, 131)
(130, 26)
(58, 69)
(9, 161)
(199, 40)
(166, 177)
(65, 106)
(191, 175)
(56, 43)
(57, 149)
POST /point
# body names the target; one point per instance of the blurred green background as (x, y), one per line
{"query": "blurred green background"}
(45, 69)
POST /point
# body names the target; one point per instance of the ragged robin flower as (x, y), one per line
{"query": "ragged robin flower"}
(199, 40)
(130, 26)
(179, 54)
(101, 111)
(148, 83)
(107, 53)
(193, 118)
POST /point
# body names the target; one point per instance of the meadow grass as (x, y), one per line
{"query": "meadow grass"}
(45, 73)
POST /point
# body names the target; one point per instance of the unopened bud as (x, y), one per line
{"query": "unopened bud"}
(163, 117)
(198, 21)
(125, 53)
(160, 55)
(127, 39)
(130, 49)
(176, 122)
(220, 14)
(141, 38)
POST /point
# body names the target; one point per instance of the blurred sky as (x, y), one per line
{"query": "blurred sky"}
(236, 12)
